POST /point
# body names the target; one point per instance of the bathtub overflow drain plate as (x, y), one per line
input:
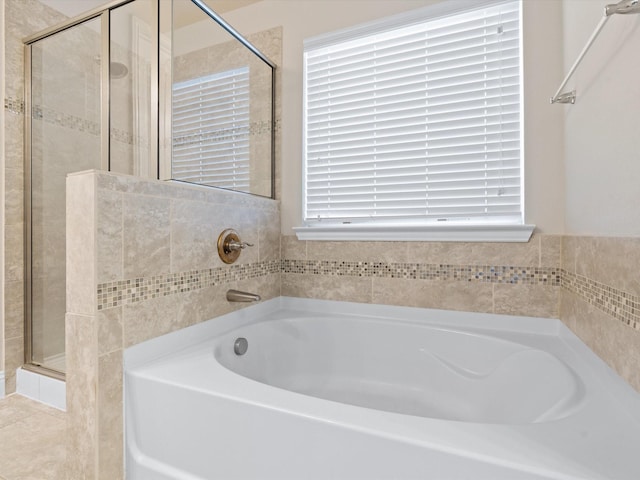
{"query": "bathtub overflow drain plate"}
(240, 346)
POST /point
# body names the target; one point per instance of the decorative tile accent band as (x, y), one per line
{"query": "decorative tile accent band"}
(14, 105)
(61, 119)
(252, 129)
(419, 271)
(73, 122)
(122, 292)
(620, 305)
(65, 120)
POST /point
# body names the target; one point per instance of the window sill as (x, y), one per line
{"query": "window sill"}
(424, 233)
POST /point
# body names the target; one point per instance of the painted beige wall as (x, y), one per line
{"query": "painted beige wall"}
(602, 154)
(544, 177)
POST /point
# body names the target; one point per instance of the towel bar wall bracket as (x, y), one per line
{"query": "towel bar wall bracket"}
(623, 7)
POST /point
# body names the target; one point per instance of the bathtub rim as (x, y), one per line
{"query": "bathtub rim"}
(156, 348)
(163, 348)
(487, 323)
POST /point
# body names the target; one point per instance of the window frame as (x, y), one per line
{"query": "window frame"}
(481, 229)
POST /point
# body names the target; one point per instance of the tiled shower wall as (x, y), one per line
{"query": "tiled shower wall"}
(142, 261)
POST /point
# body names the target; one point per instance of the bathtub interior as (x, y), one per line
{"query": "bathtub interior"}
(195, 410)
(407, 368)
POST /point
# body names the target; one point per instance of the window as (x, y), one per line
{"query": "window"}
(415, 121)
(211, 130)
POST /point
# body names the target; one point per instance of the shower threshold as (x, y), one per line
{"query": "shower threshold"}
(32, 382)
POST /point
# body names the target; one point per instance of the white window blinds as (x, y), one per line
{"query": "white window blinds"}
(211, 130)
(416, 122)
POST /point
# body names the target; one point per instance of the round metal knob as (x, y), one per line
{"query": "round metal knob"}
(230, 245)
(240, 346)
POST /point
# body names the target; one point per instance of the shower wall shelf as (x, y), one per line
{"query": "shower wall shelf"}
(622, 7)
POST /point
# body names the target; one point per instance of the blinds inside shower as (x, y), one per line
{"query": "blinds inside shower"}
(418, 122)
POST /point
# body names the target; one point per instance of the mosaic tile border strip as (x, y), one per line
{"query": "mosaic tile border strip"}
(73, 122)
(616, 303)
(418, 271)
(60, 119)
(620, 305)
(66, 120)
(122, 292)
(252, 129)
(14, 105)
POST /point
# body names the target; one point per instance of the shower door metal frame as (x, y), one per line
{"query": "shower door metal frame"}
(103, 14)
(159, 113)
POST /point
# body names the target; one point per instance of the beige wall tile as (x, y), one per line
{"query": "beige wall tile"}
(350, 289)
(569, 309)
(487, 253)
(82, 390)
(449, 295)
(81, 260)
(527, 300)
(109, 330)
(13, 359)
(610, 260)
(13, 309)
(195, 227)
(109, 236)
(81, 244)
(246, 221)
(267, 287)
(293, 249)
(146, 236)
(201, 305)
(615, 343)
(14, 196)
(269, 236)
(14, 155)
(569, 250)
(391, 252)
(149, 319)
(14, 253)
(550, 250)
(110, 421)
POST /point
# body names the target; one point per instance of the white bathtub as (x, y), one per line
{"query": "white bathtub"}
(335, 390)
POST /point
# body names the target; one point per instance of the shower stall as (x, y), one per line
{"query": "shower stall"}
(161, 89)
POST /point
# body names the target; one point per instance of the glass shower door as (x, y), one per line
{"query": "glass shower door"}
(65, 138)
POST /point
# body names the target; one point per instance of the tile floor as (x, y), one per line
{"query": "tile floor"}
(32, 440)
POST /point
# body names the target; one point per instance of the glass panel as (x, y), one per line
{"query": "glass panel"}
(65, 138)
(131, 116)
(221, 101)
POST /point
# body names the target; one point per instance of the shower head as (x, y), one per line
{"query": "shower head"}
(623, 7)
(118, 70)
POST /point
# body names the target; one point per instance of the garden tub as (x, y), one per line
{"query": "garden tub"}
(311, 389)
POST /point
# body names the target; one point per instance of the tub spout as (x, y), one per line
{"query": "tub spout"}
(238, 296)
